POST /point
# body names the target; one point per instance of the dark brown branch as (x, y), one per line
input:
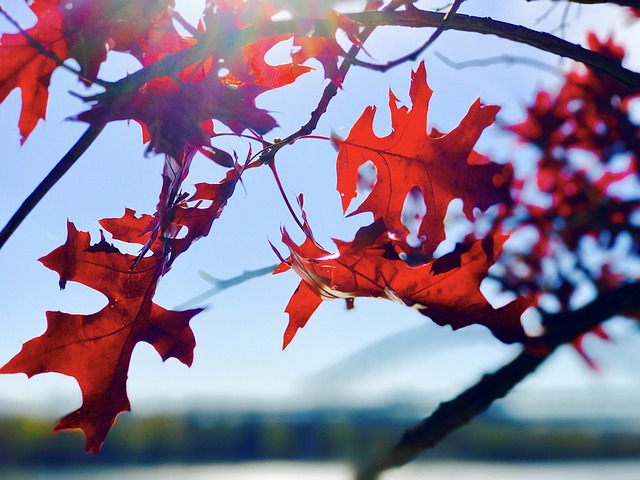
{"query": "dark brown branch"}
(621, 3)
(49, 181)
(540, 40)
(451, 415)
(172, 64)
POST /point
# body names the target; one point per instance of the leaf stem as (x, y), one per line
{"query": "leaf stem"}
(272, 166)
(487, 26)
(49, 181)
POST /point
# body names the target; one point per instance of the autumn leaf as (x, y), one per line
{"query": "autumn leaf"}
(93, 28)
(197, 218)
(442, 166)
(271, 76)
(23, 66)
(368, 266)
(96, 348)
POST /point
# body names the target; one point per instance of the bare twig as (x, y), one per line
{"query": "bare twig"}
(221, 285)
(500, 59)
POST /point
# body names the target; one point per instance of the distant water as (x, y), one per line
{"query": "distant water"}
(618, 470)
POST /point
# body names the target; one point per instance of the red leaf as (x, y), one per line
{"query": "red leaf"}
(441, 166)
(271, 76)
(129, 228)
(325, 50)
(369, 267)
(93, 28)
(198, 219)
(303, 303)
(23, 67)
(96, 349)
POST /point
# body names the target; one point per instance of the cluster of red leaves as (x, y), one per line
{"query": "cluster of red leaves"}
(87, 30)
(583, 133)
(96, 349)
(442, 167)
(222, 72)
(216, 73)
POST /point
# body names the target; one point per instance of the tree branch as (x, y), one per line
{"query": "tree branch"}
(411, 56)
(174, 63)
(487, 26)
(49, 181)
(451, 415)
(622, 3)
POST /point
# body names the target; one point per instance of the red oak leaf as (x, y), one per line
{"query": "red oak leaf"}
(96, 349)
(271, 76)
(23, 66)
(178, 222)
(198, 219)
(175, 112)
(129, 228)
(324, 50)
(441, 166)
(368, 266)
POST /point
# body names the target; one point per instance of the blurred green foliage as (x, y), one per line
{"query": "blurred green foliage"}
(312, 435)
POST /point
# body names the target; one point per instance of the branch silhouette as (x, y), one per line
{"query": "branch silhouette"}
(449, 416)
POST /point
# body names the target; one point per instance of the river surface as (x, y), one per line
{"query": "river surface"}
(608, 470)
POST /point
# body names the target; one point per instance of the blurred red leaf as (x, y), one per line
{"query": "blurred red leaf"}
(23, 66)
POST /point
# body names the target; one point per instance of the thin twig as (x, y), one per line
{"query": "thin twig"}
(501, 59)
(49, 181)
(220, 285)
(411, 56)
(272, 165)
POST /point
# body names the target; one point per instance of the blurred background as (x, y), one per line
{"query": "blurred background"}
(350, 382)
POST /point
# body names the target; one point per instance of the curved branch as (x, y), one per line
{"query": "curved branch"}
(49, 181)
(621, 3)
(540, 40)
(174, 63)
(451, 415)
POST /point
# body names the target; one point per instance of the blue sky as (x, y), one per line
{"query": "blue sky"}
(238, 357)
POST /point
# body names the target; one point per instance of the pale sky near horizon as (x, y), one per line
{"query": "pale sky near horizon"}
(238, 355)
